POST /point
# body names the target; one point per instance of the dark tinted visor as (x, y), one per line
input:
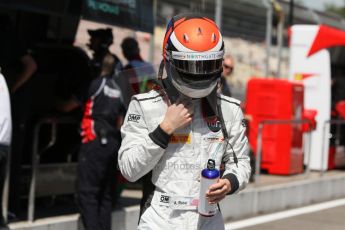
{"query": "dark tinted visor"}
(198, 67)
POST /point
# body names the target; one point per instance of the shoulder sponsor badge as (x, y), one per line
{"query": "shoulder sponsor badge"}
(134, 117)
(244, 122)
(214, 139)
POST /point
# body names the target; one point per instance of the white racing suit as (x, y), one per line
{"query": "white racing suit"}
(176, 161)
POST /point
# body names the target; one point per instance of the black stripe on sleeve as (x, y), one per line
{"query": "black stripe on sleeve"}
(233, 182)
(159, 137)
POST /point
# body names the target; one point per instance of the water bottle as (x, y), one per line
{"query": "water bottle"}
(209, 176)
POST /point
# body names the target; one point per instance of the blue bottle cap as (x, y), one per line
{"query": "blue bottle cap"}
(210, 172)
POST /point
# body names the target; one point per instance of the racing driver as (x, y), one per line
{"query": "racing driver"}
(170, 132)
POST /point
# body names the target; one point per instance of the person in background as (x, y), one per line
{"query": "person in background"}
(5, 139)
(100, 41)
(139, 75)
(228, 67)
(103, 112)
(175, 129)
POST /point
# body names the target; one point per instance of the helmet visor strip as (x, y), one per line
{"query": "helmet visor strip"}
(197, 63)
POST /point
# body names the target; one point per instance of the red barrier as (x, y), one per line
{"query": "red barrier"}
(269, 99)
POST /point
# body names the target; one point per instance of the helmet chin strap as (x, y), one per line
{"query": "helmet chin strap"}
(160, 71)
(169, 90)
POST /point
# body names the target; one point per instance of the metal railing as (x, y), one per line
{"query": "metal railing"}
(338, 122)
(259, 142)
(5, 190)
(36, 154)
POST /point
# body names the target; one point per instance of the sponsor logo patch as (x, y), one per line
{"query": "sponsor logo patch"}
(244, 123)
(165, 199)
(134, 117)
(214, 139)
(214, 124)
(180, 138)
(215, 55)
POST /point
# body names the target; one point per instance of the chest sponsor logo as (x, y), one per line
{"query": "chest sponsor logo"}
(214, 139)
(214, 126)
(134, 117)
(180, 138)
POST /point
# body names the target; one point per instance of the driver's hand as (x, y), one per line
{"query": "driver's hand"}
(177, 116)
(218, 191)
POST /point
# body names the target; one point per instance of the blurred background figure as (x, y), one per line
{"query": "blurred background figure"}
(228, 67)
(5, 139)
(138, 74)
(103, 112)
(100, 41)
